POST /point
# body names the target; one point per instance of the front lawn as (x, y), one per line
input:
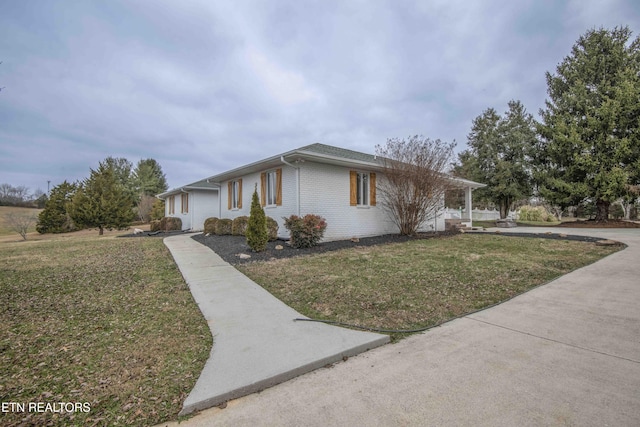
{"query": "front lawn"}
(421, 282)
(104, 321)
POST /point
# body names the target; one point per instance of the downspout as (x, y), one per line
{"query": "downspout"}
(297, 183)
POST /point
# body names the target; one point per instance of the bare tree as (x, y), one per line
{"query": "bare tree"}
(414, 183)
(144, 207)
(21, 223)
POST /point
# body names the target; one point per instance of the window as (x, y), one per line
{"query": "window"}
(362, 188)
(271, 188)
(171, 205)
(184, 199)
(234, 194)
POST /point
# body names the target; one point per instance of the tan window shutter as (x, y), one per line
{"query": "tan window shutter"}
(240, 194)
(372, 189)
(353, 190)
(229, 194)
(263, 189)
(279, 187)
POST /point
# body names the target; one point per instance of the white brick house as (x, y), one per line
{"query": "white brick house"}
(335, 183)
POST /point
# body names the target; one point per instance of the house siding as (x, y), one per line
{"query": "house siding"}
(184, 217)
(343, 220)
(202, 205)
(249, 182)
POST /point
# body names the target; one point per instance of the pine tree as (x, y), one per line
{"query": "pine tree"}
(102, 201)
(257, 235)
(590, 148)
(499, 156)
(55, 217)
(148, 178)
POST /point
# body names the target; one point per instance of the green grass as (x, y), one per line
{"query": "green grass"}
(419, 283)
(100, 320)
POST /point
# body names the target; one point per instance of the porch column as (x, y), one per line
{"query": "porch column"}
(468, 204)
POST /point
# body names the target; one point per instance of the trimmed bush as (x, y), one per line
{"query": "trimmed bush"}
(223, 226)
(257, 236)
(272, 228)
(172, 224)
(307, 231)
(154, 225)
(239, 225)
(210, 225)
(166, 224)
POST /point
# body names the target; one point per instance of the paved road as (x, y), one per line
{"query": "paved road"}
(567, 353)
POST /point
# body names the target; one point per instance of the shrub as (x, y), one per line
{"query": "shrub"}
(165, 224)
(257, 236)
(223, 226)
(154, 225)
(210, 225)
(239, 225)
(272, 228)
(533, 213)
(307, 231)
(170, 223)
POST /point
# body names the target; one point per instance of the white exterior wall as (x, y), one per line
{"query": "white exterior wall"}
(202, 205)
(249, 182)
(324, 191)
(186, 219)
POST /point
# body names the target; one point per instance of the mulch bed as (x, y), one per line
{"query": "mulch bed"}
(230, 247)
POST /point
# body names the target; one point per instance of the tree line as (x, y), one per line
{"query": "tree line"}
(112, 196)
(21, 196)
(585, 150)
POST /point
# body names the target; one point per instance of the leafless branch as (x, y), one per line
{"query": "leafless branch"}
(414, 181)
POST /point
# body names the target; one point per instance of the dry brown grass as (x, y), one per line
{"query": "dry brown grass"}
(418, 283)
(103, 320)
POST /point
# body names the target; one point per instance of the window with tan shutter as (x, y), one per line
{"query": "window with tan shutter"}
(184, 199)
(172, 205)
(362, 188)
(234, 190)
(271, 188)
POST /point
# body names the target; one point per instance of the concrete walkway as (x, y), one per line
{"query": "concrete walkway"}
(256, 343)
(567, 353)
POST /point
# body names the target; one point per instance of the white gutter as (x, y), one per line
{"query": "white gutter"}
(297, 183)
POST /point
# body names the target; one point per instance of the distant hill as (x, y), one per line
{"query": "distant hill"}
(6, 210)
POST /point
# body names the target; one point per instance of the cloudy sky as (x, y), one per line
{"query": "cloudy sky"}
(204, 86)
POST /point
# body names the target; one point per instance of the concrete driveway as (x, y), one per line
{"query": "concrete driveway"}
(567, 353)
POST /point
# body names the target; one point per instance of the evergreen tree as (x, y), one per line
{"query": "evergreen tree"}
(55, 217)
(590, 147)
(148, 178)
(499, 156)
(102, 201)
(157, 211)
(257, 235)
(123, 172)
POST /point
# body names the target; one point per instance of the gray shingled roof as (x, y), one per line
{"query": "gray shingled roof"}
(330, 150)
